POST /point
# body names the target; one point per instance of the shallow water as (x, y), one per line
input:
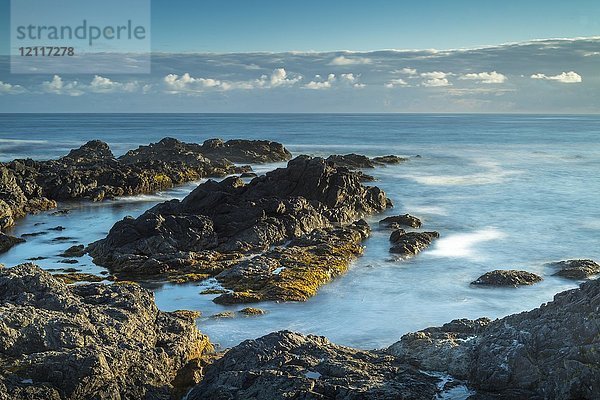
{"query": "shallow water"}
(503, 191)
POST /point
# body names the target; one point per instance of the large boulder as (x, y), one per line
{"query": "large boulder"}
(509, 277)
(290, 365)
(91, 341)
(308, 209)
(576, 269)
(408, 244)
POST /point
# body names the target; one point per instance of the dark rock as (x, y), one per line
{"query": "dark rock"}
(68, 261)
(291, 365)
(37, 258)
(507, 278)
(551, 352)
(401, 220)
(411, 243)
(440, 348)
(252, 311)
(73, 277)
(237, 298)
(577, 269)
(352, 161)
(214, 291)
(7, 242)
(57, 228)
(34, 234)
(248, 175)
(389, 160)
(74, 251)
(92, 172)
(90, 341)
(219, 224)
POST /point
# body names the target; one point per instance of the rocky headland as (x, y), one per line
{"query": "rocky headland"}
(92, 172)
(279, 237)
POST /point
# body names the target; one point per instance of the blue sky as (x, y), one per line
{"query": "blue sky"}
(267, 56)
(265, 25)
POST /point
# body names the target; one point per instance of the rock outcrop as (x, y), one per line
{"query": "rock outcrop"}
(7, 242)
(405, 220)
(576, 269)
(408, 244)
(358, 161)
(92, 341)
(92, 172)
(507, 278)
(551, 352)
(290, 365)
(280, 236)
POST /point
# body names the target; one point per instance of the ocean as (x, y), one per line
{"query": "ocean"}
(503, 191)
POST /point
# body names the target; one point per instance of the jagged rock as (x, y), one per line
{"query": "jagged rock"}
(401, 220)
(90, 341)
(352, 161)
(73, 277)
(507, 278)
(411, 243)
(577, 269)
(74, 251)
(290, 365)
(440, 348)
(217, 226)
(551, 352)
(7, 242)
(92, 172)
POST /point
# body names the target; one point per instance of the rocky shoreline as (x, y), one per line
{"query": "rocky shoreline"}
(277, 237)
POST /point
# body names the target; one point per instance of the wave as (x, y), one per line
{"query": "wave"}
(494, 174)
(464, 245)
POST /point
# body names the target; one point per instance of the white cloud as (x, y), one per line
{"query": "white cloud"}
(104, 85)
(352, 80)
(188, 84)
(321, 84)
(565, 77)
(395, 83)
(485, 77)
(58, 86)
(341, 60)
(8, 88)
(408, 71)
(436, 79)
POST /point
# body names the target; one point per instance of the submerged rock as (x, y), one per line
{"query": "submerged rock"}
(290, 365)
(391, 159)
(411, 243)
(252, 311)
(92, 172)
(74, 251)
(507, 278)
(7, 242)
(91, 341)
(577, 269)
(278, 237)
(401, 220)
(357, 161)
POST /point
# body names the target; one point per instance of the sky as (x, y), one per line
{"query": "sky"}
(310, 56)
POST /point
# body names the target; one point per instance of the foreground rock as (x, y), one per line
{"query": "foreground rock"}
(290, 365)
(408, 244)
(551, 352)
(302, 221)
(577, 269)
(92, 172)
(507, 278)
(401, 220)
(91, 341)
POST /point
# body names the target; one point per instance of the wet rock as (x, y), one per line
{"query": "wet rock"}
(7, 242)
(248, 175)
(69, 261)
(411, 243)
(223, 315)
(37, 258)
(252, 311)
(241, 233)
(61, 212)
(391, 159)
(74, 251)
(57, 228)
(291, 365)
(507, 278)
(90, 341)
(214, 291)
(401, 220)
(237, 298)
(34, 234)
(352, 161)
(577, 269)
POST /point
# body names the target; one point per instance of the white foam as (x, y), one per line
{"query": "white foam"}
(463, 245)
(493, 174)
(416, 209)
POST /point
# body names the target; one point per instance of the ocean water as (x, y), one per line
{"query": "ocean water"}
(504, 191)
